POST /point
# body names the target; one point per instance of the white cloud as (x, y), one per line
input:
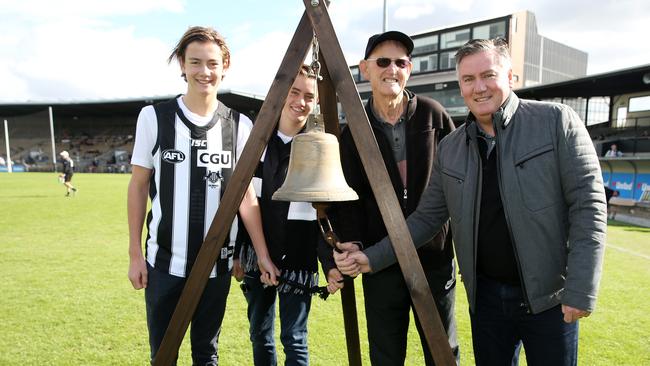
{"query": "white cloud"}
(255, 65)
(73, 52)
(14, 88)
(91, 60)
(413, 11)
(346, 15)
(75, 48)
(466, 5)
(35, 9)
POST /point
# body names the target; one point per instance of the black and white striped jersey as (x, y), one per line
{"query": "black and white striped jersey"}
(191, 158)
(68, 165)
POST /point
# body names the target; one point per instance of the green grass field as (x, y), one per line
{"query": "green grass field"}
(66, 300)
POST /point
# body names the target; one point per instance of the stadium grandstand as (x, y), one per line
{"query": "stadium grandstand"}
(99, 135)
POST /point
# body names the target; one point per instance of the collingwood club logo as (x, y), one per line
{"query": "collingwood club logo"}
(213, 162)
(213, 177)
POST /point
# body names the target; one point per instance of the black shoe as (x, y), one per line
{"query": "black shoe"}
(67, 194)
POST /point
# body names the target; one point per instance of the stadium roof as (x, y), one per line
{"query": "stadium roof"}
(630, 80)
(242, 102)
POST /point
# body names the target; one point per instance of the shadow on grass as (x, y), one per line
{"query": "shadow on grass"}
(628, 227)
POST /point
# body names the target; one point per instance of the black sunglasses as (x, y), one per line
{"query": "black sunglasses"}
(384, 62)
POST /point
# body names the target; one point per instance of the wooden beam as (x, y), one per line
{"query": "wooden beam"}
(241, 177)
(329, 110)
(327, 100)
(378, 176)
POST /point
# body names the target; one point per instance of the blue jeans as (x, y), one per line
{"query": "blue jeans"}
(501, 323)
(161, 296)
(294, 311)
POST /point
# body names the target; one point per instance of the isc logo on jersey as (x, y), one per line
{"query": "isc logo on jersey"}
(199, 143)
(214, 159)
(173, 156)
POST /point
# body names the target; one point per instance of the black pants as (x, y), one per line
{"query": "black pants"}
(388, 303)
(162, 294)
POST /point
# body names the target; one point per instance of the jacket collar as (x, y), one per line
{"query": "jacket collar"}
(410, 107)
(501, 117)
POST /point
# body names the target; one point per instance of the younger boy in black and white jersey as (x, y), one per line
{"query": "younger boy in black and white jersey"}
(185, 151)
(68, 172)
(292, 235)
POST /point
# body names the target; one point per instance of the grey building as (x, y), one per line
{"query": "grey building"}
(535, 59)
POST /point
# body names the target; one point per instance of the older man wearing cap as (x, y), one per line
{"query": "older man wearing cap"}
(407, 129)
(68, 171)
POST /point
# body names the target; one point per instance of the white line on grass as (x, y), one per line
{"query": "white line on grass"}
(629, 251)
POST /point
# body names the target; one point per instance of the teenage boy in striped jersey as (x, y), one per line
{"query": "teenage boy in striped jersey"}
(185, 151)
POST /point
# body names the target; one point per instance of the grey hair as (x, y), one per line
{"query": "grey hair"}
(474, 46)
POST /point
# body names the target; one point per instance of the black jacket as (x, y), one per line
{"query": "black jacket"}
(290, 228)
(426, 123)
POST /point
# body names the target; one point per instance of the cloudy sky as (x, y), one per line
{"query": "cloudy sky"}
(52, 50)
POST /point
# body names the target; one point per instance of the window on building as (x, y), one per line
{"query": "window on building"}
(598, 110)
(447, 60)
(579, 105)
(454, 39)
(639, 104)
(489, 31)
(355, 74)
(447, 94)
(451, 100)
(621, 116)
(425, 45)
(425, 63)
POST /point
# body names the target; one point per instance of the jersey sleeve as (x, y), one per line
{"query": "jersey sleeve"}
(243, 132)
(146, 134)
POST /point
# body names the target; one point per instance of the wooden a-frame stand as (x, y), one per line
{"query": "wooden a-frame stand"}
(337, 74)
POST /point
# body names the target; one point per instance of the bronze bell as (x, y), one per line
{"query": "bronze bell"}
(315, 173)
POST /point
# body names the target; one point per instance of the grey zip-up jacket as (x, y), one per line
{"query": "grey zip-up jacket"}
(553, 198)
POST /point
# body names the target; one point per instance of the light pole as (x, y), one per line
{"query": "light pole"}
(383, 29)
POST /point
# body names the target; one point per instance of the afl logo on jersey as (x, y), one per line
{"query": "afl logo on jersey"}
(173, 156)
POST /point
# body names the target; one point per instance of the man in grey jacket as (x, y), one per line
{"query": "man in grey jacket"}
(522, 184)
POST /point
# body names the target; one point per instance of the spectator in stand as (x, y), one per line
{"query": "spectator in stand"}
(613, 152)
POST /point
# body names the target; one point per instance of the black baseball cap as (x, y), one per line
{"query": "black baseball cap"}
(390, 35)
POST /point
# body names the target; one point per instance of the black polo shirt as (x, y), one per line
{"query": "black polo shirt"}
(495, 253)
